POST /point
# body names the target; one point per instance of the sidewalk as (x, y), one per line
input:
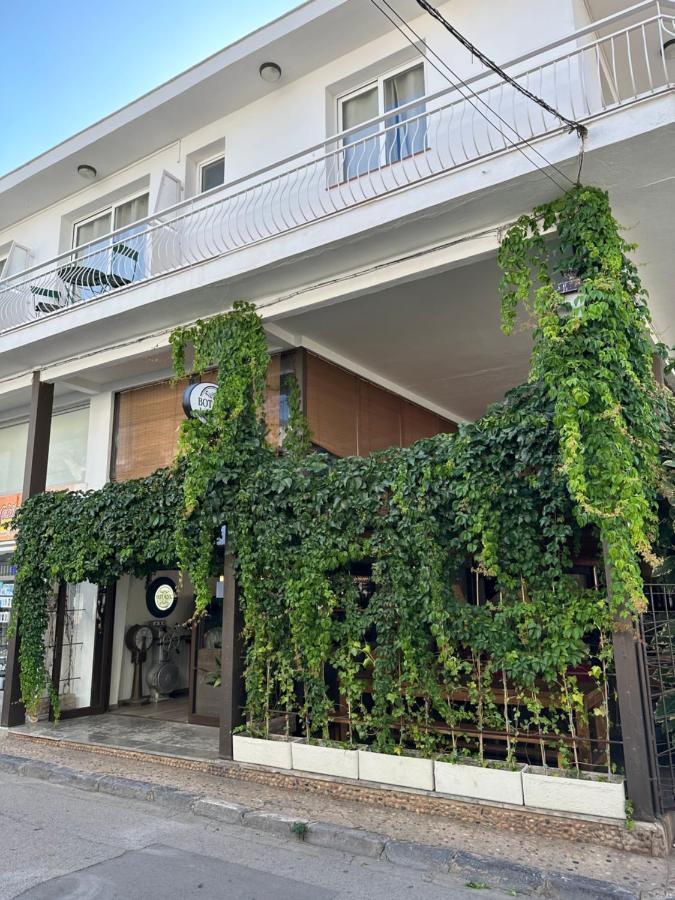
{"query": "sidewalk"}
(500, 850)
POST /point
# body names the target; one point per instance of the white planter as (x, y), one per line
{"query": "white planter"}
(479, 782)
(326, 760)
(592, 795)
(402, 771)
(274, 752)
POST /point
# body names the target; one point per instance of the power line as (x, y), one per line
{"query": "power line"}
(580, 129)
(477, 97)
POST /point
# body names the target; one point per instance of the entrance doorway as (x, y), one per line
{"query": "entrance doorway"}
(81, 648)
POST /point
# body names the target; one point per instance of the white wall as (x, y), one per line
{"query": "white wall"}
(295, 115)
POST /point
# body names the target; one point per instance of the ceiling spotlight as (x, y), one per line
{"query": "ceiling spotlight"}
(669, 49)
(88, 172)
(270, 72)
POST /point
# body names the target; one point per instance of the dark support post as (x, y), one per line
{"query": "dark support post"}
(34, 482)
(232, 662)
(635, 713)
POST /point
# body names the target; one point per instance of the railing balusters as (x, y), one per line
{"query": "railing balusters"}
(398, 148)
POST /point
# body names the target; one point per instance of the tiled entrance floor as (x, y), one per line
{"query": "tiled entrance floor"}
(129, 732)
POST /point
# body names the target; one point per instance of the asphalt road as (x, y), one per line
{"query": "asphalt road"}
(58, 842)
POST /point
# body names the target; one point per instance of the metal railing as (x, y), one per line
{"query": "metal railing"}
(596, 69)
(657, 627)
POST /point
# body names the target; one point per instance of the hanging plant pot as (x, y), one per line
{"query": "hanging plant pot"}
(273, 751)
(591, 795)
(468, 779)
(571, 301)
(336, 761)
(402, 771)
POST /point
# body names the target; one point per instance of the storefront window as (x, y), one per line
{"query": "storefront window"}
(66, 467)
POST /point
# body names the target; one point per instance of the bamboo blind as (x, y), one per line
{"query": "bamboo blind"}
(348, 415)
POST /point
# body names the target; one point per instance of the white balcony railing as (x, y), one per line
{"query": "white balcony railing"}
(599, 68)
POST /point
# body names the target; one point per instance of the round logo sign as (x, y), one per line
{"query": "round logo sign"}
(198, 398)
(161, 598)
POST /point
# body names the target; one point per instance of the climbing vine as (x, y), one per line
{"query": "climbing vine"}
(595, 358)
(394, 591)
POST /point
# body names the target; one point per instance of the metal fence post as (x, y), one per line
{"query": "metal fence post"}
(232, 662)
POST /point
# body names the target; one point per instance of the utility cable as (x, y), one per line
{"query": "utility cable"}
(455, 85)
(580, 129)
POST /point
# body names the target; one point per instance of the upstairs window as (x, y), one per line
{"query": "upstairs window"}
(405, 131)
(108, 262)
(2, 266)
(212, 174)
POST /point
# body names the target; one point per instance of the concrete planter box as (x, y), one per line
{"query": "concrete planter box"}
(333, 761)
(401, 771)
(273, 751)
(480, 782)
(592, 795)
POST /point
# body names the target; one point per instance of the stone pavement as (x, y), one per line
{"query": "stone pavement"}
(406, 830)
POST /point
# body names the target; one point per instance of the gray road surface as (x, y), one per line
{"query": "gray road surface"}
(58, 842)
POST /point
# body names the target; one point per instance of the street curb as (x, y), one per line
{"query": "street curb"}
(478, 871)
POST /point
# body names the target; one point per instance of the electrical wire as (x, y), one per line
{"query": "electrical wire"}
(580, 129)
(477, 97)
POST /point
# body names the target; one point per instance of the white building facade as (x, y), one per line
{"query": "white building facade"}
(350, 173)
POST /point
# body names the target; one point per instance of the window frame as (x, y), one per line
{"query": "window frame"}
(200, 169)
(366, 86)
(110, 209)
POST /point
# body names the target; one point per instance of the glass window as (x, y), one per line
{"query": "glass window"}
(411, 137)
(13, 443)
(67, 463)
(2, 266)
(212, 174)
(131, 211)
(363, 153)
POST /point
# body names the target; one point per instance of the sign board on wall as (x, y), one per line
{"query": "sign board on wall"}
(8, 507)
(161, 597)
(198, 398)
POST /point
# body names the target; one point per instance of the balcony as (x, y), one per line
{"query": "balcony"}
(600, 68)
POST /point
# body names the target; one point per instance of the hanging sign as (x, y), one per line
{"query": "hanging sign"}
(198, 398)
(161, 597)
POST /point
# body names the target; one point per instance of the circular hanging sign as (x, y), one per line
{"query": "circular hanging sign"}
(198, 398)
(161, 597)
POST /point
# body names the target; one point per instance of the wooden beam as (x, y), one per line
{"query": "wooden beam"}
(34, 482)
(231, 661)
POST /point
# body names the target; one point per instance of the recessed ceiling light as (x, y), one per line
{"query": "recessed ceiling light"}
(88, 172)
(270, 72)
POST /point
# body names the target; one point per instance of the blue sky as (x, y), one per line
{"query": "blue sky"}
(63, 65)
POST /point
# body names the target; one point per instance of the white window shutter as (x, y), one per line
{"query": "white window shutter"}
(169, 192)
(18, 259)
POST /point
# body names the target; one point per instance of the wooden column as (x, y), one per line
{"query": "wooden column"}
(637, 729)
(231, 661)
(34, 482)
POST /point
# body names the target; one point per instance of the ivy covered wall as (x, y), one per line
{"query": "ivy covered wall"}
(572, 454)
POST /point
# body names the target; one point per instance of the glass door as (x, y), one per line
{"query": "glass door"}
(205, 693)
(82, 648)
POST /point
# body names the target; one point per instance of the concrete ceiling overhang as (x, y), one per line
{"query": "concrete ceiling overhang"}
(303, 40)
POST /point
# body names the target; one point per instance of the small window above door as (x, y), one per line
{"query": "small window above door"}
(211, 174)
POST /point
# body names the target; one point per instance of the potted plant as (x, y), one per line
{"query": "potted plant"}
(574, 792)
(396, 769)
(325, 758)
(498, 782)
